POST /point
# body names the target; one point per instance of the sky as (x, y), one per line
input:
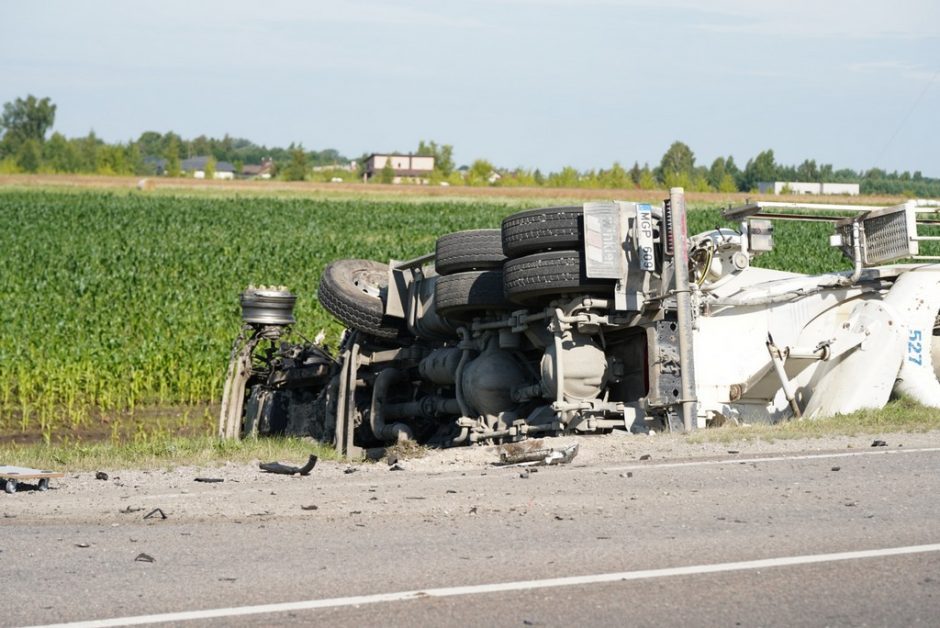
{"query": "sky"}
(522, 83)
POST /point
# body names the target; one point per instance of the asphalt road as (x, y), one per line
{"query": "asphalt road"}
(615, 534)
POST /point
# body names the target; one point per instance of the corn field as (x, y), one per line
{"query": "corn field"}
(113, 301)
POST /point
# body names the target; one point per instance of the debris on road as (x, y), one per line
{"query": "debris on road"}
(310, 507)
(532, 453)
(156, 512)
(879, 443)
(101, 475)
(646, 457)
(277, 467)
(10, 477)
(210, 480)
(144, 558)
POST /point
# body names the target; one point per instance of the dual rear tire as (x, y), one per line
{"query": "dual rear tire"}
(545, 256)
(533, 258)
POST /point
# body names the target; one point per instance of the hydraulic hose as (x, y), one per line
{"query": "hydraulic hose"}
(395, 431)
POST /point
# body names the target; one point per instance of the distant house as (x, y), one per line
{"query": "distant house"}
(405, 168)
(264, 170)
(802, 187)
(196, 166)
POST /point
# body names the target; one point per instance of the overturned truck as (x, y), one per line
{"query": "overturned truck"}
(594, 318)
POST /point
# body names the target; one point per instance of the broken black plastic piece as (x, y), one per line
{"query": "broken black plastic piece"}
(284, 469)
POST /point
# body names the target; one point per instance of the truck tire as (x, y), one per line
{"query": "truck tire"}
(461, 296)
(353, 291)
(546, 229)
(478, 249)
(541, 277)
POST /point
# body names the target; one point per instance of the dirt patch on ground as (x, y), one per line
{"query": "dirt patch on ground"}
(152, 184)
(119, 426)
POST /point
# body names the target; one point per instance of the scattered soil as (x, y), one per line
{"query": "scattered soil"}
(148, 185)
(119, 426)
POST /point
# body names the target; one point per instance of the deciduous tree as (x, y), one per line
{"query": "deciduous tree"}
(761, 168)
(60, 154)
(24, 120)
(387, 175)
(678, 160)
(172, 156)
(29, 155)
(296, 169)
(443, 156)
(210, 167)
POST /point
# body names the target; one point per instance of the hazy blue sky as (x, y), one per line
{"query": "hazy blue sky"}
(535, 83)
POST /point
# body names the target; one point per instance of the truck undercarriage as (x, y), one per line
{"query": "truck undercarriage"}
(593, 318)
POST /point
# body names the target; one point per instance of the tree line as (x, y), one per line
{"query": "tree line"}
(25, 147)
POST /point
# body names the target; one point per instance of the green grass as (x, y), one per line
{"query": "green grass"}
(900, 415)
(161, 452)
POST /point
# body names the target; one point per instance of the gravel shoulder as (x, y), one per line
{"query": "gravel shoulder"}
(413, 486)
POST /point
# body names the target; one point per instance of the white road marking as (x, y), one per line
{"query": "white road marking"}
(481, 589)
(783, 458)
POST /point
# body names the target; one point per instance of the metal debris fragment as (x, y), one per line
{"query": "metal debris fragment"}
(144, 558)
(564, 454)
(156, 512)
(283, 469)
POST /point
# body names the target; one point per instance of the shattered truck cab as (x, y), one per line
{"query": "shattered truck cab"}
(606, 316)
